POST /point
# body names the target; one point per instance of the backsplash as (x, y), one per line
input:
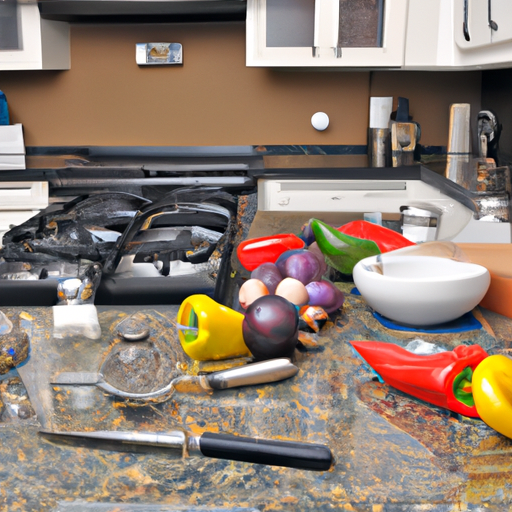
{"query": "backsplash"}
(213, 99)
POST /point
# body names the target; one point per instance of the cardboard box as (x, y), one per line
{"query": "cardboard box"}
(497, 258)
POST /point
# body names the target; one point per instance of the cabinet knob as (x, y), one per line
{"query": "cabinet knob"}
(320, 121)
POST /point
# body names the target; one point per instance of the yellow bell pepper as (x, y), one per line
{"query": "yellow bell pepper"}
(492, 393)
(210, 331)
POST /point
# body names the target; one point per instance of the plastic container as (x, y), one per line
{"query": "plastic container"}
(4, 110)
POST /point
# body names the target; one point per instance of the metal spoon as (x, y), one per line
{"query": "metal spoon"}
(263, 372)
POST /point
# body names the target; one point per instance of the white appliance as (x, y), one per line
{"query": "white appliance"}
(387, 191)
(12, 147)
(20, 201)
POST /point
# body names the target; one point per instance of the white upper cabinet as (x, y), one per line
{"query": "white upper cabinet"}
(326, 33)
(380, 34)
(482, 22)
(29, 42)
(459, 34)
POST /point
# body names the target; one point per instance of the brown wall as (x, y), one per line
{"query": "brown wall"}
(213, 98)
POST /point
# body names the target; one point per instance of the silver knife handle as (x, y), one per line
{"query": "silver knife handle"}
(263, 372)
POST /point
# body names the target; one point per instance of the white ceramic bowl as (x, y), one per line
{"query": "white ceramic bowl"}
(421, 290)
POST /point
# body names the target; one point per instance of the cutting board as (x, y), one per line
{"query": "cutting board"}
(497, 258)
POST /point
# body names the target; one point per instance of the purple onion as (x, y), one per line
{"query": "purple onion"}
(270, 327)
(325, 295)
(321, 258)
(301, 264)
(269, 274)
(307, 233)
(281, 261)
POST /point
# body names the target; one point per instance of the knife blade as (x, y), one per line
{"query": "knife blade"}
(292, 454)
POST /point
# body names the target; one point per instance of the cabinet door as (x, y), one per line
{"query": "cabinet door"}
(488, 41)
(501, 14)
(471, 23)
(326, 33)
(481, 23)
(28, 42)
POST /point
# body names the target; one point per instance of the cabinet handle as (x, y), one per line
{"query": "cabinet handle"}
(327, 23)
(465, 25)
(492, 24)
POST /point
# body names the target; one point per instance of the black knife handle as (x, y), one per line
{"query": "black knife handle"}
(290, 454)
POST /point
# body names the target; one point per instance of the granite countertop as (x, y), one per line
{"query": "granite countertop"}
(391, 451)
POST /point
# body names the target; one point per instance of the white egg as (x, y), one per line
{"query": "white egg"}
(251, 290)
(293, 290)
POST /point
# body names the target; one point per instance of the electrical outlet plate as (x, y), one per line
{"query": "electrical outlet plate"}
(158, 54)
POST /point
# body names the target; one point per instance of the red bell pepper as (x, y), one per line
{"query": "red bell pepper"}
(255, 251)
(386, 239)
(442, 379)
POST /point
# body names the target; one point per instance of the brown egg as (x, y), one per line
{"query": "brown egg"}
(251, 290)
(293, 290)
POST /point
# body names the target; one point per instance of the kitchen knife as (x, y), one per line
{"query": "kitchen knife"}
(263, 372)
(292, 454)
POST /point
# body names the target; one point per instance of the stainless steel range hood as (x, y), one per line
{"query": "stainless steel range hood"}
(142, 11)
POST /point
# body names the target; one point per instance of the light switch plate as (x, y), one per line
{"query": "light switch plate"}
(157, 54)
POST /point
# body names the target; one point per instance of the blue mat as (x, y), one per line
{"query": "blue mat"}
(467, 322)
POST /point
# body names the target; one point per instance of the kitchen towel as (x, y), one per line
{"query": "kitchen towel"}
(466, 322)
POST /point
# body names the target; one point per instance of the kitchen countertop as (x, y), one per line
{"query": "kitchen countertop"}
(391, 451)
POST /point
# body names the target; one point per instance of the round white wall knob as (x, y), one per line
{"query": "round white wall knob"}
(320, 121)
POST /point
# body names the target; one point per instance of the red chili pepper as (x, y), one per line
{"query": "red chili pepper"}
(386, 239)
(442, 379)
(255, 251)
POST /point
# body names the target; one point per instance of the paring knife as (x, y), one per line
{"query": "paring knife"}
(292, 454)
(263, 372)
